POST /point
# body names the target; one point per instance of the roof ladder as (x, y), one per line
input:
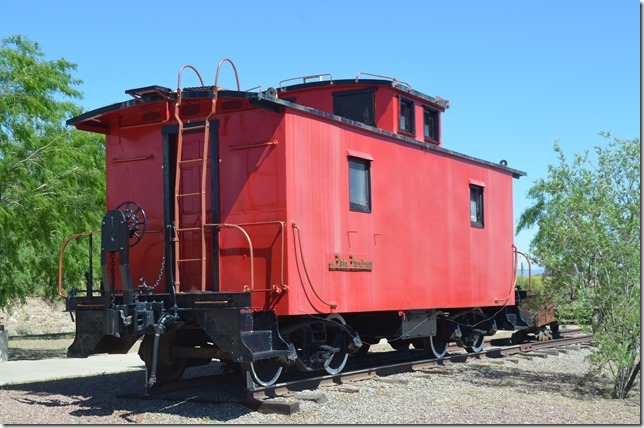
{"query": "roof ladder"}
(180, 228)
(181, 162)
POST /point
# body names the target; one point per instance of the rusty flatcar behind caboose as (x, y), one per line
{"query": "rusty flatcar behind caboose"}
(292, 227)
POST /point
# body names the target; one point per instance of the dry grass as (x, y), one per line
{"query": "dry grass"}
(36, 316)
(38, 329)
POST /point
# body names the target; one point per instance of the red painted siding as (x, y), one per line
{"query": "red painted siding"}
(288, 167)
(425, 253)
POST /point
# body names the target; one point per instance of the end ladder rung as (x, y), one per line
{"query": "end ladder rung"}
(183, 195)
(188, 260)
(191, 160)
(188, 229)
(193, 128)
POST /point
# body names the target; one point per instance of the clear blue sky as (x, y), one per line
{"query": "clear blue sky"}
(519, 74)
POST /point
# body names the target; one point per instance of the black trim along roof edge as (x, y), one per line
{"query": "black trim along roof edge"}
(427, 146)
(259, 98)
(370, 82)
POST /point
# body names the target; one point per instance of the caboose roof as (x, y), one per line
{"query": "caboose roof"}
(403, 87)
(99, 120)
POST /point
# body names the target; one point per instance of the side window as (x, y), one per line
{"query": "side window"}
(356, 105)
(359, 185)
(406, 116)
(476, 206)
(430, 124)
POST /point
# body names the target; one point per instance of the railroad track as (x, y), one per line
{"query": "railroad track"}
(415, 361)
(43, 336)
(369, 366)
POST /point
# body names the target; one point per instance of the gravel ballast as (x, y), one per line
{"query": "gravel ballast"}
(500, 391)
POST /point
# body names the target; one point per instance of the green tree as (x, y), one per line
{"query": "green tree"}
(51, 177)
(588, 241)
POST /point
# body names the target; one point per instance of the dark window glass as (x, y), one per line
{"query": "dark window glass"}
(431, 124)
(359, 185)
(476, 206)
(406, 116)
(355, 105)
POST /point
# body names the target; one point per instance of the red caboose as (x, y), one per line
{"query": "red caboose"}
(293, 226)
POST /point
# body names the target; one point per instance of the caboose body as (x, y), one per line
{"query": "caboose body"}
(293, 226)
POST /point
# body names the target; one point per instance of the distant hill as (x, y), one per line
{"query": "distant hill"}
(535, 271)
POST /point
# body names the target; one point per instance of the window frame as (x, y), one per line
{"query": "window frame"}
(477, 196)
(338, 95)
(358, 206)
(411, 130)
(427, 111)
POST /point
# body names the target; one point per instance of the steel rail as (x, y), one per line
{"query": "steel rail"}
(256, 397)
(410, 361)
(406, 367)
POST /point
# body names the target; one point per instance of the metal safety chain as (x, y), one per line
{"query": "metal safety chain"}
(162, 268)
(147, 289)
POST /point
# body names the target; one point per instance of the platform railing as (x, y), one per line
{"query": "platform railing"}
(517, 252)
(393, 79)
(61, 259)
(305, 78)
(278, 288)
(61, 256)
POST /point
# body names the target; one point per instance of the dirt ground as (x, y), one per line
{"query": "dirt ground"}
(36, 316)
(37, 329)
(547, 389)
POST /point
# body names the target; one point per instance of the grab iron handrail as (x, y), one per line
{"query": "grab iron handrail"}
(240, 228)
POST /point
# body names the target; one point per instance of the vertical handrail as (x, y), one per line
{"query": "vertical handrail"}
(234, 69)
(250, 247)
(239, 227)
(332, 304)
(177, 185)
(179, 77)
(283, 235)
(529, 268)
(204, 165)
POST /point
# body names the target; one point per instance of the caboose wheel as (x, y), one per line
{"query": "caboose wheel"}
(472, 336)
(337, 360)
(435, 347)
(168, 368)
(264, 372)
(321, 344)
(543, 334)
(476, 340)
